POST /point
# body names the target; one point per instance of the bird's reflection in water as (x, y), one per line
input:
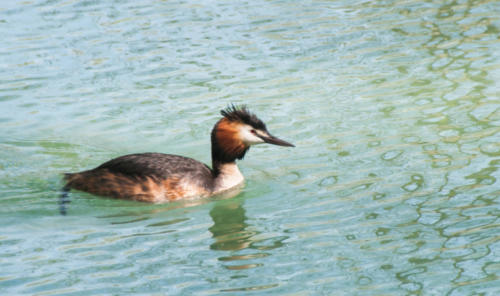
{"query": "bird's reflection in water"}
(232, 232)
(230, 229)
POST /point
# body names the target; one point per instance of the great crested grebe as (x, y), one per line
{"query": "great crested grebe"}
(158, 177)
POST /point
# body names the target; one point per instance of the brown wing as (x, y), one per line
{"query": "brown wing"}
(151, 177)
(156, 165)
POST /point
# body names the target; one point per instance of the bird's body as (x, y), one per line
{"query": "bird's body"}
(158, 177)
(150, 177)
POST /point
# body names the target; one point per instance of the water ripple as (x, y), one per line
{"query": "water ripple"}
(392, 189)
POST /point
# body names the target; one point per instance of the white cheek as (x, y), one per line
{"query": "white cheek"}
(249, 138)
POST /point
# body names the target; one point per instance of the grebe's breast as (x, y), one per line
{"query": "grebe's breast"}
(151, 177)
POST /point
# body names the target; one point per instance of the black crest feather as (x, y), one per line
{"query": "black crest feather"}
(241, 114)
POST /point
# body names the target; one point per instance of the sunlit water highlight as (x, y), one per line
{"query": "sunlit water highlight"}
(394, 107)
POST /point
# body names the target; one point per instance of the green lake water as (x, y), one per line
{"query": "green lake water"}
(392, 188)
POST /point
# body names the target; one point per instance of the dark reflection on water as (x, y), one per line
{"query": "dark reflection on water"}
(230, 228)
(242, 248)
(232, 232)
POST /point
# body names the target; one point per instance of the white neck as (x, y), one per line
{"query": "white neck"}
(229, 177)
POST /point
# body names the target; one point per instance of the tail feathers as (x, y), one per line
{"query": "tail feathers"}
(67, 176)
(64, 197)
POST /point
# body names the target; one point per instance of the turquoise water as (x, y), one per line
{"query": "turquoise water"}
(394, 107)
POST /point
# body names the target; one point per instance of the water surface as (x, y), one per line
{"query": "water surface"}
(394, 107)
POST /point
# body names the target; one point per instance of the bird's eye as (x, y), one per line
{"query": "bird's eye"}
(253, 131)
